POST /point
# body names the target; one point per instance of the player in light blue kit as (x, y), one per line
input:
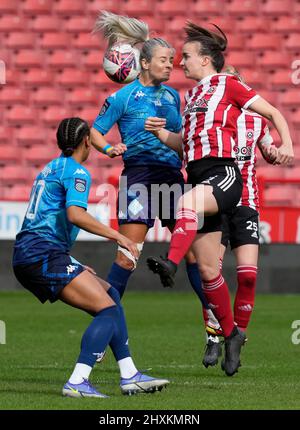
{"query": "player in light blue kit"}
(43, 265)
(146, 160)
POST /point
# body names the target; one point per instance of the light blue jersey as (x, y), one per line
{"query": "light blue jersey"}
(62, 183)
(129, 108)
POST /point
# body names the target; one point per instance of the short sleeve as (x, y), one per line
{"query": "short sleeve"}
(178, 124)
(240, 94)
(77, 185)
(110, 112)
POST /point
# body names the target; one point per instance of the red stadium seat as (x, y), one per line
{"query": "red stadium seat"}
(71, 76)
(236, 42)
(86, 41)
(242, 8)
(35, 7)
(94, 8)
(100, 79)
(41, 153)
(253, 78)
(292, 42)
(79, 23)
(8, 6)
(268, 171)
(30, 135)
(46, 23)
(38, 77)
(177, 24)
(273, 60)
(13, 77)
(29, 58)
(292, 173)
(281, 79)
(207, 7)
(20, 40)
(12, 23)
(89, 114)
(61, 58)
(261, 41)
(137, 7)
(48, 96)
(227, 24)
(295, 118)
(13, 174)
(55, 40)
(9, 153)
(276, 7)
(69, 7)
(54, 114)
(252, 24)
(286, 24)
(6, 134)
(279, 195)
(10, 95)
(177, 79)
(270, 96)
(83, 96)
(290, 99)
(155, 23)
(20, 114)
(93, 59)
(241, 59)
(17, 193)
(169, 7)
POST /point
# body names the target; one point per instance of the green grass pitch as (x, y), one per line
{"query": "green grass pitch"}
(166, 335)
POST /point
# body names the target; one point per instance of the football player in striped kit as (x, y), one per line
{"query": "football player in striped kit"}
(240, 228)
(207, 144)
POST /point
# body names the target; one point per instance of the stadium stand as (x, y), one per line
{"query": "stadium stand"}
(53, 70)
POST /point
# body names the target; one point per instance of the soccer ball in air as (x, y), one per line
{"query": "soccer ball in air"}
(121, 63)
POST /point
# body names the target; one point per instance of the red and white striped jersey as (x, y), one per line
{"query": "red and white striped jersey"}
(210, 115)
(252, 130)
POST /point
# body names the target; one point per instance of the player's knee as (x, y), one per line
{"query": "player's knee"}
(124, 262)
(208, 272)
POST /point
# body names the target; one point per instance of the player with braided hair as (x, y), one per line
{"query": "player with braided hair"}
(43, 265)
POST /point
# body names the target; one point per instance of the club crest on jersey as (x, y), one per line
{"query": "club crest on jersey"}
(211, 90)
(80, 185)
(249, 134)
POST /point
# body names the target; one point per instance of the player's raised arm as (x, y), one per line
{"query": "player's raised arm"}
(100, 143)
(172, 140)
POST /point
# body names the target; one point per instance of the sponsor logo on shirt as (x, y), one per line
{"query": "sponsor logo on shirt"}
(139, 94)
(104, 108)
(80, 185)
(80, 172)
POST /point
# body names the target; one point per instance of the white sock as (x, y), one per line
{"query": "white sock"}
(127, 368)
(212, 320)
(81, 372)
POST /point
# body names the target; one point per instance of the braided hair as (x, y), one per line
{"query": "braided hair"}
(70, 133)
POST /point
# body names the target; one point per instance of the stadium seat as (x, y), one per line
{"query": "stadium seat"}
(35, 7)
(89, 113)
(46, 23)
(93, 59)
(292, 173)
(54, 114)
(29, 58)
(10, 95)
(177, 79)
(20, 114)
(30, 135)
(253, 78)
(276, 7)
(268, 171)
(226, 24)
(13, 77)
(270, 96)
(55, 40)
(41, 153)
(206, 7)
(93, 7)
(61, 58)
(69, 7)
(155, 24)
(8, 6)
(38, 77)
(9, 153)
(100, 79)
(17, 193)
(86, 41)
(240, 59)
(295, 118)
(274, 60)
(48, 96)
(279, 195)
(79, 23)
(6, 134)
(242, 8)
(177, 24)
(236, 42)
(169, 7)
(83, 96)
(71, 76)
(13, 174)
(292, 42)
(261, 41)
(290, 99)
(20, 40)
(137, 7)
(252, 24)
(281, 79)
(12, 23)
(286, 24)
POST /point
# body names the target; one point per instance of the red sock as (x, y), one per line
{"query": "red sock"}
(183, 234)
(217, 294)
(244, 298)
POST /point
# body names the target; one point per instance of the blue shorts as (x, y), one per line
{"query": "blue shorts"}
(48, 276)
(147, 192)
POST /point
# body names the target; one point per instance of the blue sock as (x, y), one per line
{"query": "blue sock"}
(196, 282)
(119, 340)
(118, 278)
(98, 335)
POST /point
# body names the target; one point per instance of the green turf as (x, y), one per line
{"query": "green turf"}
(166, 335)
